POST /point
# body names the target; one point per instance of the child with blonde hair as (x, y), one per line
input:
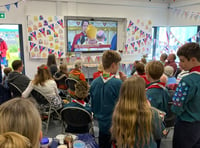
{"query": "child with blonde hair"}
(134, 122)
(21, 116)
(14, 140)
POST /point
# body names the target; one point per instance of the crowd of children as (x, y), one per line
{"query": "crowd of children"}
(129, 111)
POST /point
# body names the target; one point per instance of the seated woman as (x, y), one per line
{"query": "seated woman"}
(81, 92)
(61, 76)
(134, 122)
(21, 116)
(44, 83)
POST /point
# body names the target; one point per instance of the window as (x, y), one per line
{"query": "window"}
(169, 39)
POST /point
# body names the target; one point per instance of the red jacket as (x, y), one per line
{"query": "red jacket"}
(3, 48)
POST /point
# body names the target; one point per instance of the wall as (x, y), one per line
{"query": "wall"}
(157, 12)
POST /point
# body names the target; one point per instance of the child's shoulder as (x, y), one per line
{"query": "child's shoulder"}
(191, 78)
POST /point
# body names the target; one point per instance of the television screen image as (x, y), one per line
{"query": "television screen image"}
(10, 35)
(91, 36)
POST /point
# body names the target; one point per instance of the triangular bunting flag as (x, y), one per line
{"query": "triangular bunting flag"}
(7, 7)
(50, 51)
(33, 34)
(138, 42)
(16, 4)
(60, 53)
(145, 41)
(126, 47)
(68, 59)
(93, 58)
(130, 24)
(60, 22)
(32, 45)
(88, 59)
(52, 27)
(133, 44)
(42, 30)
(41, 48)
(98, 59)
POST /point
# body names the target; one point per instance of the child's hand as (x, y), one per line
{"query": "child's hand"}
(122, 76)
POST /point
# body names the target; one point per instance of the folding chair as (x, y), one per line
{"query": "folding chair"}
(5, 94)
(77, 120)
(15, 91)
(70, 82)
(46, 107)
(60, 81)
(61, 84)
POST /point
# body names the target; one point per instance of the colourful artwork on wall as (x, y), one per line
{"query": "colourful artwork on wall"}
(46, 36)
(139, 37)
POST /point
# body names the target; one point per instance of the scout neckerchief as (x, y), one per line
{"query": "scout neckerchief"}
(195, 69)
(106, 76)
(80, 102)
(156, 84)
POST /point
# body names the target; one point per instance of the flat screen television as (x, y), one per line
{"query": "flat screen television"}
(91, 36)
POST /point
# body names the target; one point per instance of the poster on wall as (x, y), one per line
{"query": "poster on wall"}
(46, 36)
(139, 37)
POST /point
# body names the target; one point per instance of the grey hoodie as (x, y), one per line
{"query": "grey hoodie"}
(20, 80)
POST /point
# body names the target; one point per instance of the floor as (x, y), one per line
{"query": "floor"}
(55, 128)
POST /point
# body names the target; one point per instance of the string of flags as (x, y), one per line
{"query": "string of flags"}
(85, 59)
(7, 6)
(186, 13)
(135, 44)
(175, 40)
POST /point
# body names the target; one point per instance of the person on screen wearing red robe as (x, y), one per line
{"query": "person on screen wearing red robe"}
(81, 37)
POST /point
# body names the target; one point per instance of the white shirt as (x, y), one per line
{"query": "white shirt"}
(49, 88)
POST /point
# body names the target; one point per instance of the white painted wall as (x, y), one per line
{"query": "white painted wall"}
(157, 12)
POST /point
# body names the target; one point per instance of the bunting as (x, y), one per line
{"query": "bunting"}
(139, 37)
(60, 53)
(50, 51)
(45, 36)
(7, 6)
(41, 48)
(176, 42)
(186, 13)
